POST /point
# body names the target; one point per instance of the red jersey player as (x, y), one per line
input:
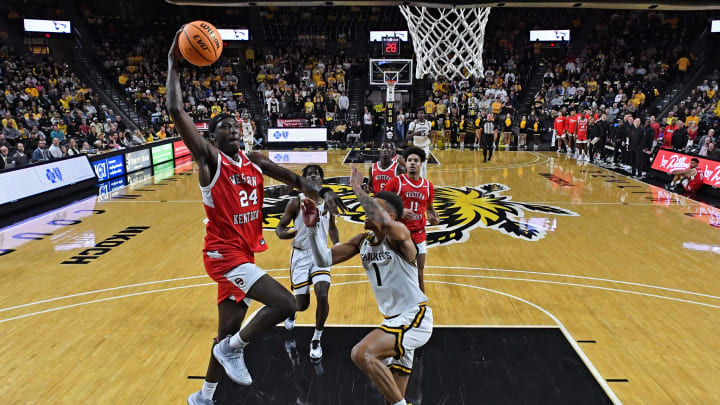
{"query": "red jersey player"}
(417, 194)
(571, 129)
(386, 168)
(581, 133)
(691, 179)
(559, 126)
(231, 184)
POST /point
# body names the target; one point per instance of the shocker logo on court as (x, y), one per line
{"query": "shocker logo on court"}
(461, 209)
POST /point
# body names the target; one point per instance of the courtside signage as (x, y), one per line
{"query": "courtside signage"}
(37, 179)
(179, 149)
(162, 153)
(315, 157)
(109, 168)
(278, 135)
(137, 160)
(668, 161)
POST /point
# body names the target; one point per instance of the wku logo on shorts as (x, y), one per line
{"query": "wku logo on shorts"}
(239, 282)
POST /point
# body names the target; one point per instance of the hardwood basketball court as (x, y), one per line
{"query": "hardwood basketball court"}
(627, 273)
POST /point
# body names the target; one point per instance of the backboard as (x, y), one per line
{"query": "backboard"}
(395, 69)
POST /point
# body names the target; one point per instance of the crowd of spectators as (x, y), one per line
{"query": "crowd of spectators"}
(629, 60)
(304, 85)
(132, 48)
(48, 113)
(699, 113)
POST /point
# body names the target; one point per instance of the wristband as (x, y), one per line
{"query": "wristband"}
(336, 244)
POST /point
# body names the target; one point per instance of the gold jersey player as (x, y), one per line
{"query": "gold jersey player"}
(303, 270)
(388, 256)
(231, 185)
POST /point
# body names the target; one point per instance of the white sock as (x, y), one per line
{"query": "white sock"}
(400, 402)
(236, 341)
(208, 390)
(317, 335)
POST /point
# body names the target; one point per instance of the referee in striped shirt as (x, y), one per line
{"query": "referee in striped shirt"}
(489, 137)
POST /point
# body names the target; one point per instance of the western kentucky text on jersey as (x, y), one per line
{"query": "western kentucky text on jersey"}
(239, 219)
(242, 178)
(382, 176)
(415, 198)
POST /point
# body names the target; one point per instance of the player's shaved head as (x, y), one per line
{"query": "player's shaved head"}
(392, 201)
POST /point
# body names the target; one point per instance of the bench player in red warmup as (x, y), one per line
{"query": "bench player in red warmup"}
(690, 180)
(386, 168)
(231, 184)
(417, 194)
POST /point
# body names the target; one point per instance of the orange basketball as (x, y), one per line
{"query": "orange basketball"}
(200, 43)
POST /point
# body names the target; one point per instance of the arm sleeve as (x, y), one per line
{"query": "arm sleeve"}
(321, 254)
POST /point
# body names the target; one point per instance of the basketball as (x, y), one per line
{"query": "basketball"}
(200, 43)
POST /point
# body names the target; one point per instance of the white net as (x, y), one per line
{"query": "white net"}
(448, 41)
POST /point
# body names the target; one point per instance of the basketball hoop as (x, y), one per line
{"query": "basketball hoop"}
(448, 41)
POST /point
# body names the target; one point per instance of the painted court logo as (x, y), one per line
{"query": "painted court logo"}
(461, 209)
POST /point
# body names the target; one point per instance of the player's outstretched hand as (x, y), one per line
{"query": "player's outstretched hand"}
(310, 213)
(174, 53)
(356, 178)
(333, 203)
(433, 218)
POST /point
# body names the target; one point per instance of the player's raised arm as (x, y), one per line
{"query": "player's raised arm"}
(374, 212)
(333, 231)
(333, 203)
(200, 149)
(323, 256)
(283, 230)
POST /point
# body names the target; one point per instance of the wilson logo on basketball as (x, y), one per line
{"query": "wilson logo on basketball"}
(461, 209)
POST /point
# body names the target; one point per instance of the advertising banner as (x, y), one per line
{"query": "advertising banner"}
(109, 168)
(292, 157)
(284, 135)
(137, 160)
(668, 161)
(292, 122)
(33, 180)
(162, 153)
(179, 149)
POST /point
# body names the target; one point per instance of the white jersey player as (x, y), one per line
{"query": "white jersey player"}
(420, 130)
(304, 272)
(388, 255)
(247, 126)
